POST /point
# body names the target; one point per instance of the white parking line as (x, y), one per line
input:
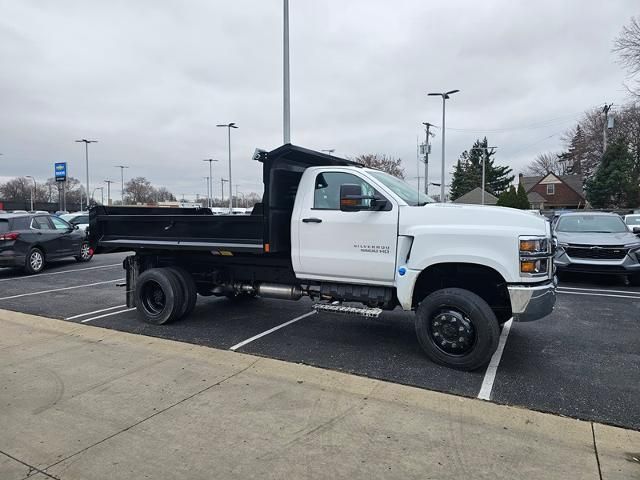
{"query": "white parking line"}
(492, 369)
(599, 294)
(106, 315)
(271, 330)
(59, 289)
(95, 311)
(626, 292)
(58, 273)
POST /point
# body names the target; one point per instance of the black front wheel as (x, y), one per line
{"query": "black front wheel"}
(457, 328)
(159, 296)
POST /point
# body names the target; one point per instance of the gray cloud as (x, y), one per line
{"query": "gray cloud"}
(150, 80)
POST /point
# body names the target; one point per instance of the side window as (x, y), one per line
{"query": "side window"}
(60, 224)
(42, 223)
(551, 189)
(327, 189)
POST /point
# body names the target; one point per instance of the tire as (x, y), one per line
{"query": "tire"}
(456, 328)
(189, 289)
(159, 297)
(86, 253)
(34, 262)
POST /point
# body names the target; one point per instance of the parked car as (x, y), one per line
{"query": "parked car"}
(81, 219)
(633, 222)
(596, 243)
(60, 212)
(29, 241)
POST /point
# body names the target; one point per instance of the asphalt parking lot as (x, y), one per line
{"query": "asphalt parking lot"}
(583, 361)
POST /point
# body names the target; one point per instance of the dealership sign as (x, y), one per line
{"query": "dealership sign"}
(61, 172)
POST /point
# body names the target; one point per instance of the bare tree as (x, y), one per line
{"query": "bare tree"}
(382, 162)
(546, 163)
(138, 190)
(627, 46)
(162, 194)
(19, 190)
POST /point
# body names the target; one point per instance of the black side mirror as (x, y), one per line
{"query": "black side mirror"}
(352, 200)
(75, 227)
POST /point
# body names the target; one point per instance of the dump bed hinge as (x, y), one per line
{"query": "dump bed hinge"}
(359, 311)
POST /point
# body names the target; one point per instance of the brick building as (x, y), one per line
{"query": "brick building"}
(554, 191)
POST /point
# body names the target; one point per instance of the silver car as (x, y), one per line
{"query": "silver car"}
(596, 243)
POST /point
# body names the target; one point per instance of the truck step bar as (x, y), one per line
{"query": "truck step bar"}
(359, 311)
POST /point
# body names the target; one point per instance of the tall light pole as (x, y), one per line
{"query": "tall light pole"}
(484, 158)
(86, 158)
(101, 193)
(209, 188)
(109, 182)
(229, 126)
(222, 180)
(122, 167)
(286, 94)
(32, 191)
(445, 96)
(210, 181)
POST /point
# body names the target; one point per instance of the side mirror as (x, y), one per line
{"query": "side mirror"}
(352, 200)
(76, 227)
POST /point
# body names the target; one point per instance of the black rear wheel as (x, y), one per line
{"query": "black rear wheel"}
(86, 253)
(159, 297)
(457, 328)
(189, 290)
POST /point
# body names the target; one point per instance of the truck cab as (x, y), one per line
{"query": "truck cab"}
(339, 232)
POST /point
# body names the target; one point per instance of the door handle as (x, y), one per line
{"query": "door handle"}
(312, 220)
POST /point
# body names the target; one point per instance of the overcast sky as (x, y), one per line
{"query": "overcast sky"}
(151, 79)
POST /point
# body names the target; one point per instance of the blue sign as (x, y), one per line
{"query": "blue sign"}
(61, 172)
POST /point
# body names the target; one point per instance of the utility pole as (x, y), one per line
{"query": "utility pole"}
(605, 110)
(426, 156)
(109, 182)
(122, 167)
(286, 94)
(418, 161)
(222, 180)
(86, 157)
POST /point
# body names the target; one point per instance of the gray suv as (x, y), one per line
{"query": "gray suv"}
(595, 242)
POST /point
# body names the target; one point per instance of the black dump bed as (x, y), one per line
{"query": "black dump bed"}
(267, 229)
(132, 228)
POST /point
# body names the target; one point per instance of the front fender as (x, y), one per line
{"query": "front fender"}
(496, 249)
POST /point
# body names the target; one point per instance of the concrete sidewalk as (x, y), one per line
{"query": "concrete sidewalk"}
(80, 402)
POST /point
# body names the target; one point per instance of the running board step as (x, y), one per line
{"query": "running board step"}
(360, 311)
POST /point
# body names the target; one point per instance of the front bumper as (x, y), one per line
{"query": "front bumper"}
(533, 302)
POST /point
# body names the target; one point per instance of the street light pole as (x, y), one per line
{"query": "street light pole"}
(122, 167)
(210, 183)
(86, 157)
(286, 94)
(445, 96)
(229, 126)
(108, 182)
(222, 180)
(33, 190)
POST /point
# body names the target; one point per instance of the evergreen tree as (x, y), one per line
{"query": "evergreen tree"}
(467, 173)
(613, 186)
(508, 198)
(522, 200)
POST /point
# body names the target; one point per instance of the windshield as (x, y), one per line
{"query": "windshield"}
(632, 219)
(591, 224)
(401, 188)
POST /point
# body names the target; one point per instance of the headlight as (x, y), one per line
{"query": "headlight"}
(534, 255)
(532, 246)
